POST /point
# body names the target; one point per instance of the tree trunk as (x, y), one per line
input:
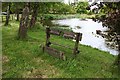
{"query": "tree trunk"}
(34, 15)
(12, 17)
(24, 23)
(7, 16)
(32, 21)
(2, 18)
(17, 16)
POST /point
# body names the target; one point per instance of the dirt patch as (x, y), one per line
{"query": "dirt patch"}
(35, 73)
(43, 70)
(5, 59)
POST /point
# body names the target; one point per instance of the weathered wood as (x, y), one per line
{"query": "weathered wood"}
(75, 51)
(8, 15)
(55, 32)
(34, 15)
(17, 15)
(79, 38)
(54, 52)
(24, 23)
(47, 37)
(69, 35)
(12, 17)
(2, 18)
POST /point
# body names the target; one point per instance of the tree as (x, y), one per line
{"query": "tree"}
(112, 20)
(16, 8)
(24, 23)
(65, 8)
(8, 14)
(34, 14)
(81, 7)
(55, 7)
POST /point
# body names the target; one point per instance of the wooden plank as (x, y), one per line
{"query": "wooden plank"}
(48, 37)
(69, 35)
(55, 32)
(54, 52)
(2, 18)
(80, 36)
(75, 51)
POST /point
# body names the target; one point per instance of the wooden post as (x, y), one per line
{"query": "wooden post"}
(8, 15)
(12, 17)
(2, 18)
(76, 43)
(47, 36)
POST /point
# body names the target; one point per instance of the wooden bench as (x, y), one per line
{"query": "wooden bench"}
(80, 37)
(55, 32)
(54, 52)
(69, 35)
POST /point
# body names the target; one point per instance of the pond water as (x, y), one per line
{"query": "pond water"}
(88, 29)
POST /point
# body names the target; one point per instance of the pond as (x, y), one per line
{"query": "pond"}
(88, 28)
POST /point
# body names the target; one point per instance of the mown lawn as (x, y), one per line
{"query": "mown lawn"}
(25, 59)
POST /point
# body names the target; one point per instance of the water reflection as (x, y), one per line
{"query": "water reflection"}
(51, 24)
(88, 28)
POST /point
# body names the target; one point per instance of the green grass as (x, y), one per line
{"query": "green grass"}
(4, 17)
(63, 16)
(25, 59)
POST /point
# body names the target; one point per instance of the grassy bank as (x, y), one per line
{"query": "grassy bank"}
(63, 16)
(25, 59)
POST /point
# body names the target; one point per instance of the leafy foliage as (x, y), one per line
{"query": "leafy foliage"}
(111, 16)
(54, 8)
(81, 7)
(112, 20)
